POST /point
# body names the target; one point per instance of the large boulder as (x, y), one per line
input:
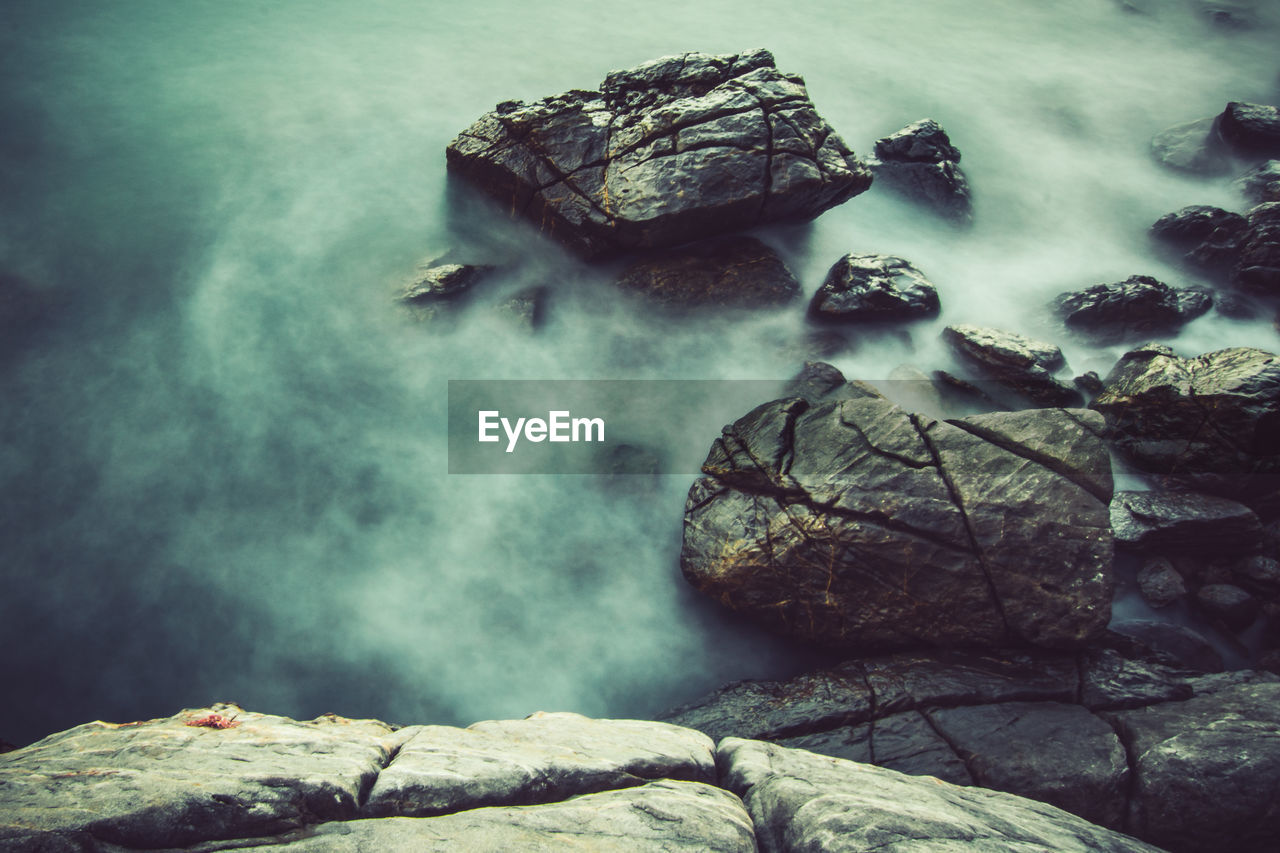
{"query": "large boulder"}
(725, 272)
(865, 287)
(677, 149)
(921, 162)
(855, 525)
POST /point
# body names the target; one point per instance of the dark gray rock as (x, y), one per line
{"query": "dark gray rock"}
(921, 162)
(1159, 584)
(1023, 365)
(1109, 681)
(1261, 183)
(728, 272)
(677, 149)
(1139, 305)
(1206, 770)
(800, 801)
(1178, 644)
(1251, 128)
(1257, 266)
(857, 525)
(1193, 147)
(1236, 608)
(1261, 570)
(1208, 237)
(874, 287)
(1184, 522)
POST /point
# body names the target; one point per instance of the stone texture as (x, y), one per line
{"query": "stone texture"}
(1236, 608)
(1184, 522)
(729, 272)
(1261, 183)
(1208, 237)
(921, 162)
(443, 281)
(1258, 265)
(1251, 128)
(861, 287)
(1193, 147)
(857, 525)
(677, 149)
(1159, 584)
(1023, 365)
(1140, 305)
(800, 801)
(1177, 644)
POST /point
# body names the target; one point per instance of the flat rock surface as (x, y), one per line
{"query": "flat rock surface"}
(1023, 365)
(1179, 522)
(727, 272)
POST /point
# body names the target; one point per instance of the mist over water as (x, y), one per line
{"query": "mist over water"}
(223, 457)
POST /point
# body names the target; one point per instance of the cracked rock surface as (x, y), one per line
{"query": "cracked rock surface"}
(676, 149)
(856, 525)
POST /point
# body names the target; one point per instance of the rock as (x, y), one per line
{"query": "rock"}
(1261, 183)
(677, 149)
(802, 801)
(874, 287)
(921, 162)
(729, 272)
(1089, 382)
(1206, 770)
(1214, 419)
(659, 817)
(1184, 522)
(1139, 305)
(1159, 584)
(1023, 365)
(1257, 266)
(1178, 644)
(1251, 128)
(527, 308)
(1110, 681)
(1236, 608)
(907, 742)
(815, 381)
(444, 281)
(1193, 147)
(1208, 237)
(1259, 569)
(856, 525)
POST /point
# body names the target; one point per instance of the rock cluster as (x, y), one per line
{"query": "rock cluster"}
(677, 149)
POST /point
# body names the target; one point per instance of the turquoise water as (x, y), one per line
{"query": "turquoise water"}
(223, 463)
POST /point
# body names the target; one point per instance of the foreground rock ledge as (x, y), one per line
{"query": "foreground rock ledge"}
(674, 150)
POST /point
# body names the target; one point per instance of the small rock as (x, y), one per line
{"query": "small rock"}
(1021, 364)
(727, 272)
(1261, 183)
(1193, 147)
(1159, 584)
(1251, 128)
(1139, 305)
(1235, 607)
(1260, 569)
(1183, 522)
(874, 287)
(1209, 237)
(445, 281)
(1089, 382)
(527, 308)
(921, 162)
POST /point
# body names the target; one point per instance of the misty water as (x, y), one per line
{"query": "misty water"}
(223, 460)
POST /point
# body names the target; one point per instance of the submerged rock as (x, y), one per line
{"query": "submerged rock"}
(1258, 264)
(1184, 522)
(677, 149)
(1021, 364)
(1209, 237)
(1193, 147)
(921, 162)
(856, 525)
(862, 287)
(727, 272)
(1139, 305)
(1261, 183)
(1251, 128)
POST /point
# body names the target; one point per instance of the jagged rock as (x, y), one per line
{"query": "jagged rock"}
(1261, 183)
(1193, 147)
(443, 281)
(1236, 608)
(1159, 584)
(1214, 419)
(802, 801)
(857, 525)
(815, 381)
(1021, 364)
(1177, 643)
(1251, 128)
(1208, 236)
(1139, 305)
(874, 287)
(676, 149)
(1257, 266)
(1184, 522)
(442, 769)
(921, 162)
(729, 272)
(1206, 770)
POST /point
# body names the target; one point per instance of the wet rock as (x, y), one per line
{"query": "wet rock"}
(1257, 266)
(443, 281)
(1206, 770)
(1184, 522)
(1089, 382)
(856, 525)
(1236, 608)
(815, 381)
(1023, 365)
(874, 287)
(1213, 419)
(1209, 237)
(1139, 305)
(1259, 569)
(1110, 681)
(729, 272)
(1261, 183)
(1193, 147)
(527, 308)
(1159, 584)
(1251, 128)
(802, 801)
(1178, 644)
(677, 149)
(921, 162)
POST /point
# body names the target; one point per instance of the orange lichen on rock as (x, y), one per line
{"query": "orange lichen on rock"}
(214, 721)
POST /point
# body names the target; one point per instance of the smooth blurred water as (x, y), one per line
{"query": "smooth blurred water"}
(223, 459)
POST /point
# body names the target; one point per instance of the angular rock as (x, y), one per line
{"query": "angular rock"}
(1251, 128)
(547, 757)
(1236, 608)
(1209, 237)
(1159, 584)
(816, 380)
(1109, 681)
(729, 272)
(1261, 183)
(1178, 644)
(1193, 147)
(1206, 770)
(1139, 305)
(1021, 364)
(661, 817)
(444, 281)
(921, 162)
(1257, 266)
(1214, 418)
(857, 525)
(1184, 522)
(874, 287)
(677, 149)
(802, 801)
